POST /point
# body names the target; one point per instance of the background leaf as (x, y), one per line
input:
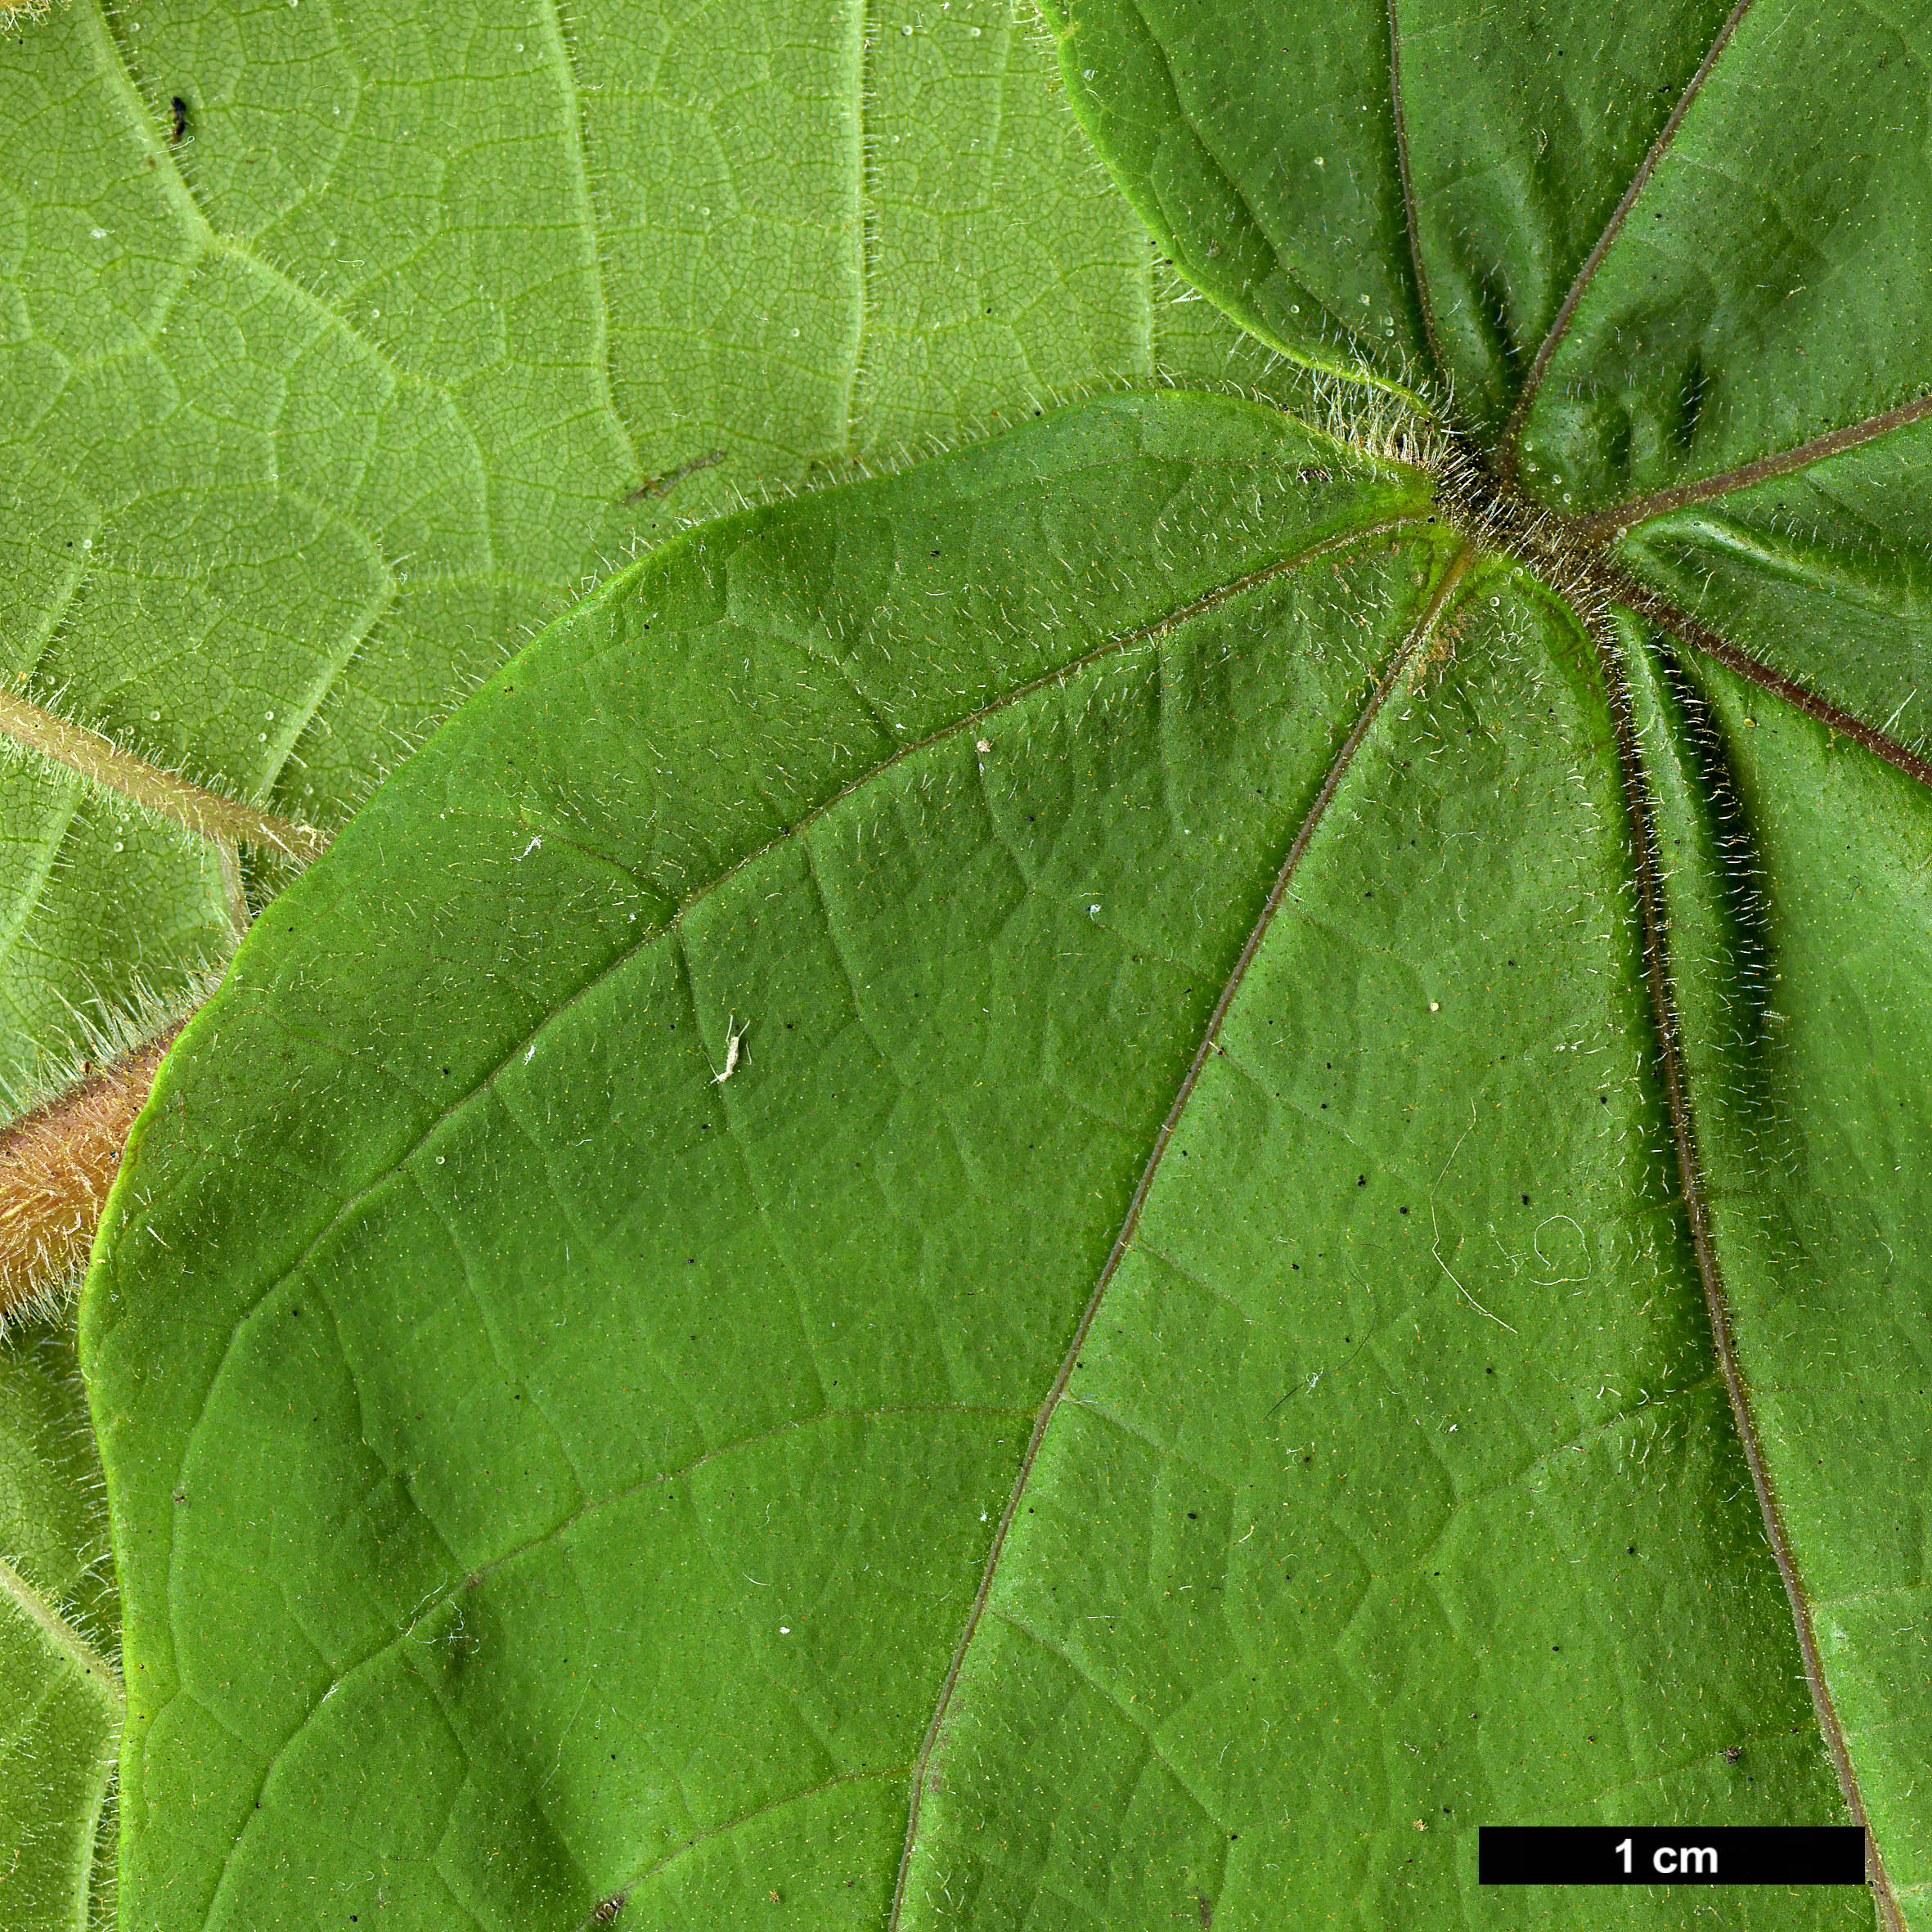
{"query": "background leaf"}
(312, 411)
(60, 1695)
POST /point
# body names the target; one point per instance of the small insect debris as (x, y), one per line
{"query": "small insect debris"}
(733, 1036)
(177, 126)
(662, 485)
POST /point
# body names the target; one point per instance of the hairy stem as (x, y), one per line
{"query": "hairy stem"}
(105, 764)
(56, 1165)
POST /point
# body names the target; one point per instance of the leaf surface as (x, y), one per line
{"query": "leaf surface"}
(59, 1693)
(1111, 1182)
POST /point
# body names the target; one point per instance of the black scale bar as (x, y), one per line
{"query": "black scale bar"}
(1676, 1855)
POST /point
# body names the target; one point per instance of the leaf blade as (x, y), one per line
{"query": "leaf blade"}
(710, 936)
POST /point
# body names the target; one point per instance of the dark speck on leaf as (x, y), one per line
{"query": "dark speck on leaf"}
(177, 122)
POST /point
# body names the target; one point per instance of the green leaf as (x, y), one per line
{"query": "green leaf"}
(652, 1455)
(319, 394)
(59, 1693)
(1111, 1182)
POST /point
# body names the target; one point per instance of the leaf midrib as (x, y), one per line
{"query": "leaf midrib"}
(1604, 525)
(1509, 444)
(1596, 531)
(166, 794)
(1492, 500)
(1587, 571)
(1649, 871)
(1431, 614)
(62, 1636)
